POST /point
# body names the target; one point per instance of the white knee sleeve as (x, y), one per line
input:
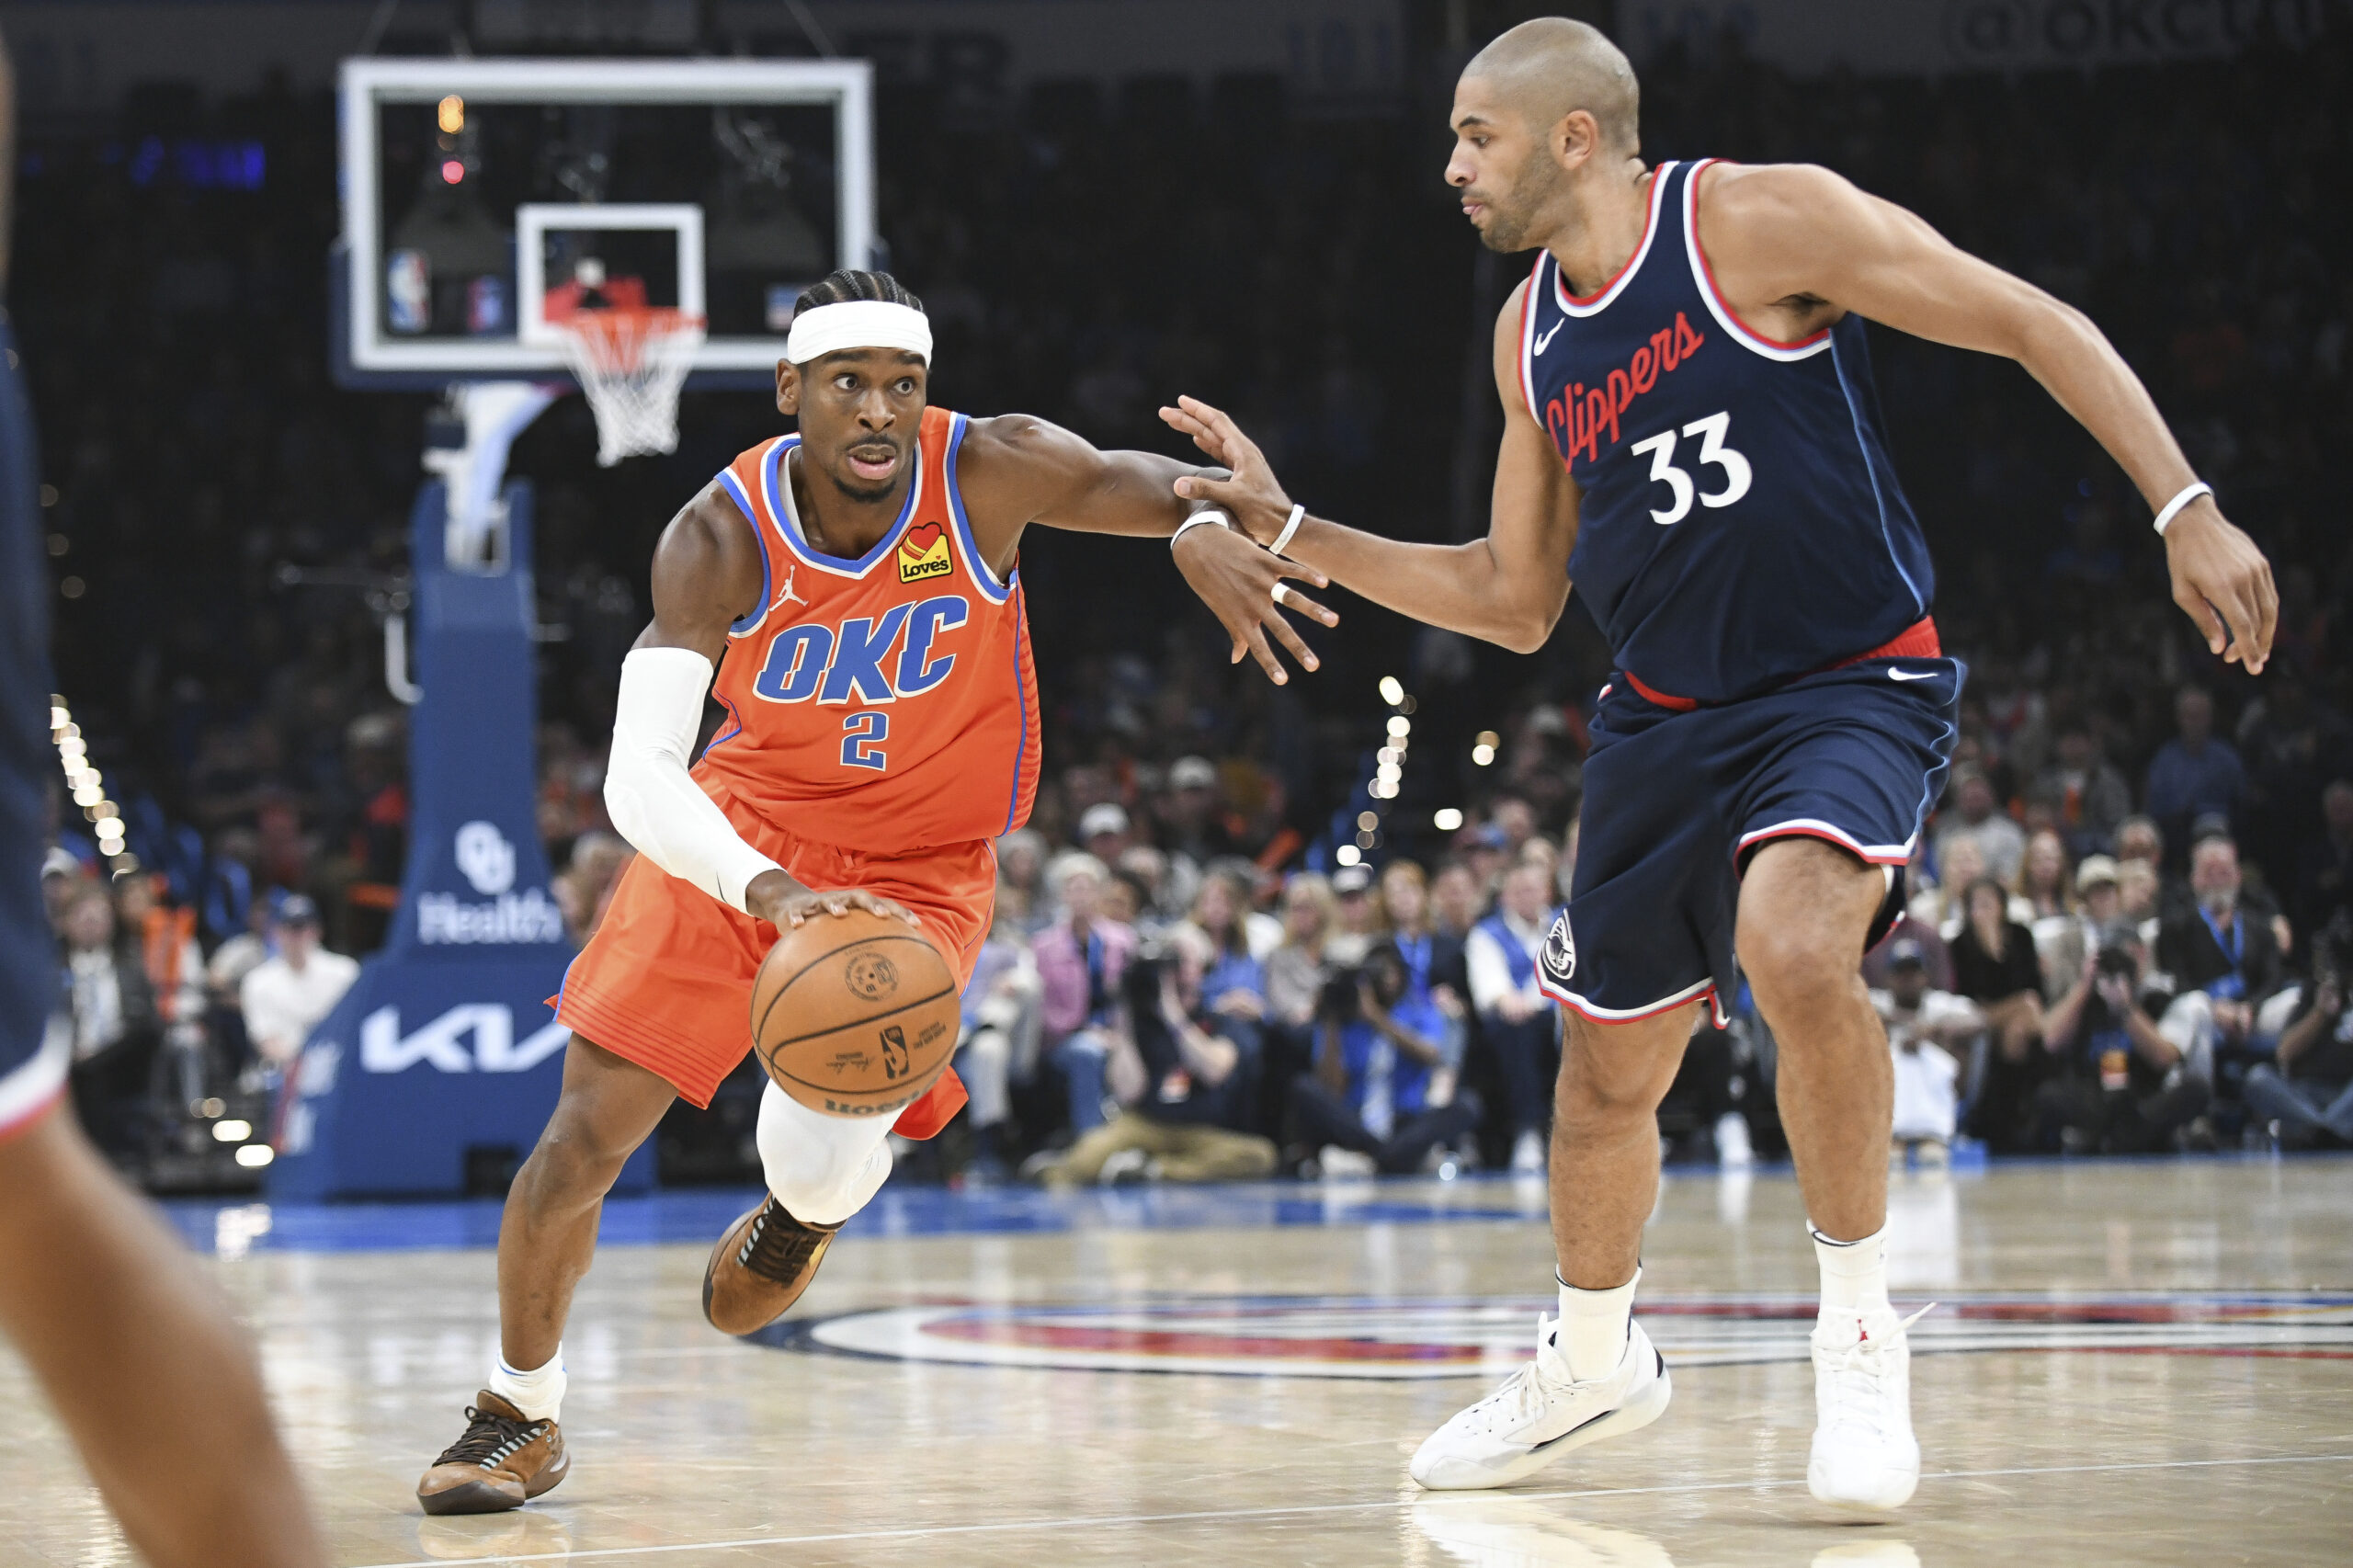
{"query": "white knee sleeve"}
(821, 1168)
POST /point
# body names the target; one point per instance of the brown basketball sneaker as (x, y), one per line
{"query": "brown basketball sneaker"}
(760, 1267)
(501, 1461)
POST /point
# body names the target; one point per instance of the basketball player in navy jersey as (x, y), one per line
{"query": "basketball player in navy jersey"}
(148, 1370)
(1692, 437)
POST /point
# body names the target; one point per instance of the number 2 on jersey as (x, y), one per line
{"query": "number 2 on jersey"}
(1681, 489)
(861, 733)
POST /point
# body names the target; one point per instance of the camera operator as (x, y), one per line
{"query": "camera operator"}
(1384, 1084)
(1182, 1085)
(2122, 1086)
(2306, 1090)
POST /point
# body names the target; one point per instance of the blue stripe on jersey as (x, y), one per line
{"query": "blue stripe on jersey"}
(750, 622)
(1740, 523)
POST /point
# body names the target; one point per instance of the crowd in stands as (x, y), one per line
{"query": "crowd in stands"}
(2128, 924)
(161, 1037)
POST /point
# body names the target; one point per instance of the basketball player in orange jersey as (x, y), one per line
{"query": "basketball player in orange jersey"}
(855, 585)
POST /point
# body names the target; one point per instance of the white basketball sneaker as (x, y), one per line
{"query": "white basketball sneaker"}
(1865, 1457)
(1541, 1413)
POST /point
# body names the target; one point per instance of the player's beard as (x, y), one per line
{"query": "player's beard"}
(1510, 223)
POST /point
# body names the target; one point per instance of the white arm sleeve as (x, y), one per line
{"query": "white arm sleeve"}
(653, 800)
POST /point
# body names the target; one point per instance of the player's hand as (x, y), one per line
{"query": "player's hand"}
(2222, 580)
(1239, 581)
(788, 905)
(1251, 497)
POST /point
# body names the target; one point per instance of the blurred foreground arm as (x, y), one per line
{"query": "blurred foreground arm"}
(138, 1352)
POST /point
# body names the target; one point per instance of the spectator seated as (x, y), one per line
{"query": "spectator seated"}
(1387, 1071)
(1517, 1023)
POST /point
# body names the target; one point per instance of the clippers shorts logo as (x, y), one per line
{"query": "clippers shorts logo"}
(1560, 951)
(1329, 1336)
(924, 554)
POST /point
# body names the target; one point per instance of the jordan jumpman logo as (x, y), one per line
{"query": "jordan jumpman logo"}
(788, 596)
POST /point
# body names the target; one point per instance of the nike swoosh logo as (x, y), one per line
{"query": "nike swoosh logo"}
(1550, 1442)
(1913, 675)
(1544, 339)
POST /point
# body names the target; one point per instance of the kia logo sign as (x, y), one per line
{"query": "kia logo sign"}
(477, 1038)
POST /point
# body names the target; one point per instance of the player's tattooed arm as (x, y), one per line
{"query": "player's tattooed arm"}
(707, 575)
(1793, 247)
(1015, 470)
(1508, 587)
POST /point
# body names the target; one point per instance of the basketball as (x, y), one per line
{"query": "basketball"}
(854, 1014)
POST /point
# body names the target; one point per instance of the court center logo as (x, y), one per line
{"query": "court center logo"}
(1364, 1337)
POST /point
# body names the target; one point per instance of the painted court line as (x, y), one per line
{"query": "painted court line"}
(1369, 1506)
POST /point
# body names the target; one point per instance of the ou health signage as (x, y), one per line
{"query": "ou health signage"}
(1932, 37)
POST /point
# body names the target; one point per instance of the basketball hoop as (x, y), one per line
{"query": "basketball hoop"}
(632, 361)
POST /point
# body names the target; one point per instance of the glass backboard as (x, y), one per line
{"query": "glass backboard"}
(480, 196)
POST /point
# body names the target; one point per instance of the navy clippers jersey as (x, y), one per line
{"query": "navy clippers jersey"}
(32, 1058)
(1741, 524)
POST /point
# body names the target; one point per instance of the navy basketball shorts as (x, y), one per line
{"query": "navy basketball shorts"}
(32, 1074)
(1675, 803)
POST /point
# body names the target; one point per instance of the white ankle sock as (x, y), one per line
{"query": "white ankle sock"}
(1592, 1334)
(538, 1393)
(1854, 1274)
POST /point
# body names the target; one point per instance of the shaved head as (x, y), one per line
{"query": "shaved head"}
(1546, 68)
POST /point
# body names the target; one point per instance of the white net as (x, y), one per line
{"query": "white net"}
(632, 364)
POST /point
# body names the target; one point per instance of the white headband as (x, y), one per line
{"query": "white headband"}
(856, 323)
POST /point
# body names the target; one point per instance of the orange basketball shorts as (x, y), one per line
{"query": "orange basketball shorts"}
(666, 982)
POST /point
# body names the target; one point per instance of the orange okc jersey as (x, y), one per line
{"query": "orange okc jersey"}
(887, 703)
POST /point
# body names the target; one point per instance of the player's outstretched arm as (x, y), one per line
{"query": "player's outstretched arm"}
(706, 576)
(1016, 470)
(1791, 235)
(1507, 588)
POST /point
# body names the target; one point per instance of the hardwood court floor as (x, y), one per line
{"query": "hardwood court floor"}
(2134, 1363)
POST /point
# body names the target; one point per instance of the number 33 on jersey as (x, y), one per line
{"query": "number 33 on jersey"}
(887, 702)
(1738, 523)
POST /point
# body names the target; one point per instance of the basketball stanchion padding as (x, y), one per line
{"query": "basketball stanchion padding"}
(855, 1015)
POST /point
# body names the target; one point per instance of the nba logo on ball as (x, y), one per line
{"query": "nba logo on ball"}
(924, 554)
(1560, 949)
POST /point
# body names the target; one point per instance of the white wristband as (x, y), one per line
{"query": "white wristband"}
(2173, 507)
(1211, 516)
(1291, 527)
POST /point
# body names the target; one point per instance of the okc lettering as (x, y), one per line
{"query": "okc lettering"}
(833, 664)
(1577, 417)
